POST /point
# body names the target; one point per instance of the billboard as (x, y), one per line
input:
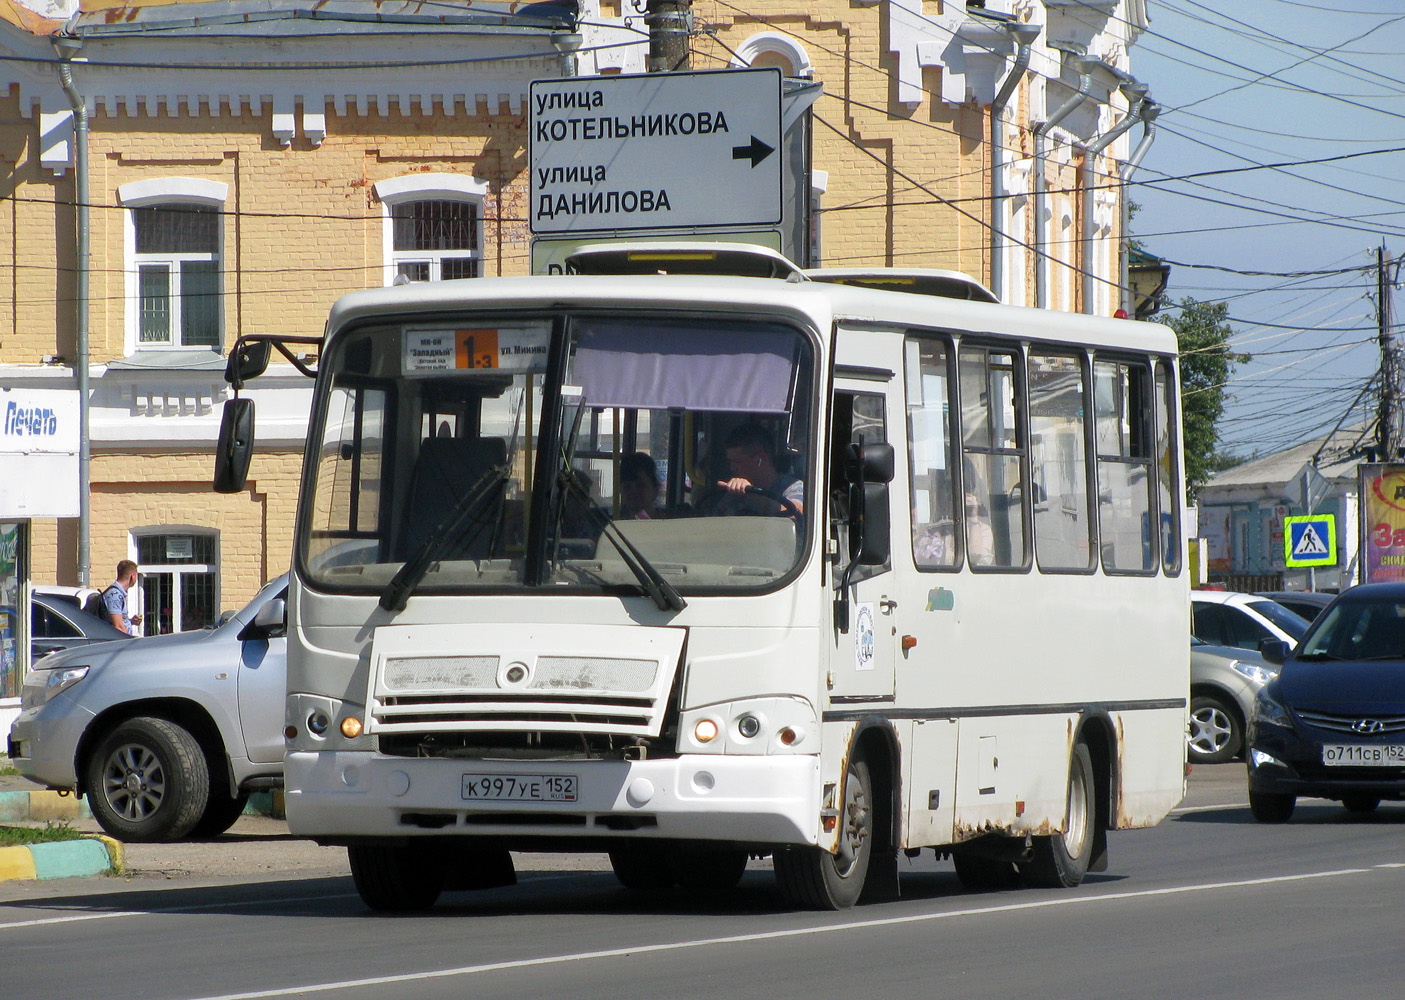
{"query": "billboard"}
(1382, 523)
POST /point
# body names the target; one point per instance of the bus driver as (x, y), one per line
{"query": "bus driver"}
(751, 456)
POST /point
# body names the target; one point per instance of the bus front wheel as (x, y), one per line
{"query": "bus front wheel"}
(813, 878)
(1060, 861)
(396, 878)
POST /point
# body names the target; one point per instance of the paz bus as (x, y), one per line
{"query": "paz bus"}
(691, 569)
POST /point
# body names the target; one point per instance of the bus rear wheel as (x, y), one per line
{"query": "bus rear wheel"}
(1060, 861)
(645, 867)
(396, 878)
(813, 878)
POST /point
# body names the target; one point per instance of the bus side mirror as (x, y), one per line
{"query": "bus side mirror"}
(249, 359)
(869, 462)
(236, 445)
(871, 546)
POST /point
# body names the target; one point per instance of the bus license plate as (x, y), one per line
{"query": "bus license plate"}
(521, 787)
(1358, 755)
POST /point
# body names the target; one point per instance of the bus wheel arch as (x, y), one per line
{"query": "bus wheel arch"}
(812, 877)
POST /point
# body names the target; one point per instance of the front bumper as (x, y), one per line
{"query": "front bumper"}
(758, 800)
(1294, 767)
(43, 743)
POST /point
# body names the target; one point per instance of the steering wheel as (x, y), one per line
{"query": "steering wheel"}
(788, 508)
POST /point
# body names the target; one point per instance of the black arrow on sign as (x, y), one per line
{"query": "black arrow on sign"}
(756, 151)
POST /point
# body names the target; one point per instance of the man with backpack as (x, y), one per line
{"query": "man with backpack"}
(114, 598)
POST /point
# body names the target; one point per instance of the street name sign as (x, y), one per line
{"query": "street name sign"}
(656, 151)
(1310, 540)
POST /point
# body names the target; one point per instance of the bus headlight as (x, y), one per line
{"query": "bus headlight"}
(753, 726)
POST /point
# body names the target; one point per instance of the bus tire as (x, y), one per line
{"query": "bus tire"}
(643, 867)
(1060, 861)
(707, 871)
(978, 874)
(814, 879)
(396, 878)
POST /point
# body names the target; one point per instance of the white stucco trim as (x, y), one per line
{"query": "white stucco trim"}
(168, 189)
(782, 45)
(396, 189)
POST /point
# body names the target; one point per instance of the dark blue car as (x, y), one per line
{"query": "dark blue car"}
(1332, 725)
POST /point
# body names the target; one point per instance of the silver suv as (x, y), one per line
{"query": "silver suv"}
(166, 734)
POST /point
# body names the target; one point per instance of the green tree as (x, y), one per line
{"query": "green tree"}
(1203, 332)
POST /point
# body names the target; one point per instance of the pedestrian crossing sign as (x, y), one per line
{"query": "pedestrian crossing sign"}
(1310, 541)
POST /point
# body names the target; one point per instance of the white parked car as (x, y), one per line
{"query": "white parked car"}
(166, 734)
(1225, 618)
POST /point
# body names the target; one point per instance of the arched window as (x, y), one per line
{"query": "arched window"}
(174, 238)
(433, 226)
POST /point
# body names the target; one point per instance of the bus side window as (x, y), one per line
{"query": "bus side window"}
(1122, 409)
(930, 459)
(993, 465)
(854, 415)
(1167, 474)
(1058, 432)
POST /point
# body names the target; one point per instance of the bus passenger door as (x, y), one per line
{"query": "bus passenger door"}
(866, 402)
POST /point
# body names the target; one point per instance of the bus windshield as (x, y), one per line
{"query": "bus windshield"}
(451, 457)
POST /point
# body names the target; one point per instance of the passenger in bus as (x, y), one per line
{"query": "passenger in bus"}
(933, 544)
(980, 540)
(751, 458)
(639, 487)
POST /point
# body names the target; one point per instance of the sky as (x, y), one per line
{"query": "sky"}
(1259, 89)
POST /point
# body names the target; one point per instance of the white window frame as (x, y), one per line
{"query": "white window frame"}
(137, 602)
(166, 191)
(427, 187)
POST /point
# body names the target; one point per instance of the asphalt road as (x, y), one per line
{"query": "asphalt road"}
(1209, 904)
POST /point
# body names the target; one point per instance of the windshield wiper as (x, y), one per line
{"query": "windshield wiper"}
(474, 501)
(652, 582)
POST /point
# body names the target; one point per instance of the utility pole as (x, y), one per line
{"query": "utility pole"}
(1388, 415)
(669, 22)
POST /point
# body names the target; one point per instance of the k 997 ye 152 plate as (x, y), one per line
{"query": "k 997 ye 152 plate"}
(521, 787)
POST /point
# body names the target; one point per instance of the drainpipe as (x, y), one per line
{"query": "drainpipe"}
(1085, 66)
(1136, 94)
(67, 47)
(1023, 35)
(1150, 111)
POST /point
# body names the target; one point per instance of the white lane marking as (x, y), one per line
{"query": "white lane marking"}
(189, 908)
(1205, 809)
(549, 960)
(215, 907)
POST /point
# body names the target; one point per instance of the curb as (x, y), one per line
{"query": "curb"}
(61, 859)
(41, 806)
(50, 806)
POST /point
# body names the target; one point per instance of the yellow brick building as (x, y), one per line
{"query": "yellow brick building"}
(249, 163)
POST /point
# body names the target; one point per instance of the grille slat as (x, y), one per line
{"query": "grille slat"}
(622, 695)
(1344, 723)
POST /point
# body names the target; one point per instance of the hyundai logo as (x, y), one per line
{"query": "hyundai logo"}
(1367, 727)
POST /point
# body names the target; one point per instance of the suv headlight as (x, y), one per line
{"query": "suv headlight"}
(42, 686)
(1256, 672)
(1268, 712)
